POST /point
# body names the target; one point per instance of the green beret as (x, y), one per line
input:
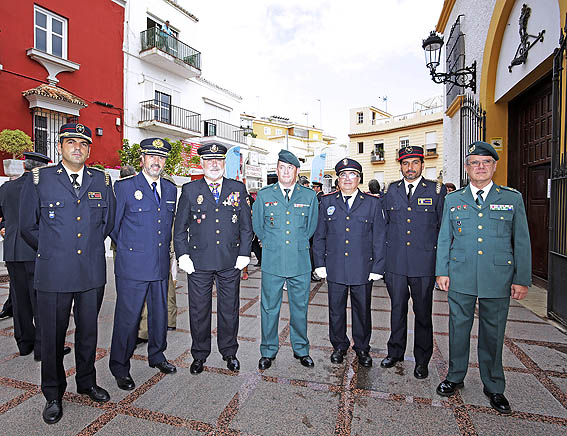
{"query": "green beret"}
(481, 148)
(288, 157)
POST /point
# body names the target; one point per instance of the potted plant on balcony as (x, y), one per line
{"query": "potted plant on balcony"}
(14, 142)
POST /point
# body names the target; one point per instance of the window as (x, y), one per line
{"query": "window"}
(279, 132)
(361, 147)
(404, 141)
(316, 136)
(378, 151)
(50, 33)
(46, 125)
(431, 143)
(301, 133)
(373, 118)
(162, 111)
(267, 130)
(359, 117)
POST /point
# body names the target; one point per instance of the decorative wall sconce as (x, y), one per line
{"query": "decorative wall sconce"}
(525, 46)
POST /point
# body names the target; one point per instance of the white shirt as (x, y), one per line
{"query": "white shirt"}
(80, 173)
(290, 190)
(150, 181)
(415, 184)
(219, 181)
(485, 190)
(351, 199)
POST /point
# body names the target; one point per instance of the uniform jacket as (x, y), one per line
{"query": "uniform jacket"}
(15, 248)
(484, 250)
(142, 228)
(68, 231)
(350, 244)
(412, 227)
(213, 235)
(285, 228)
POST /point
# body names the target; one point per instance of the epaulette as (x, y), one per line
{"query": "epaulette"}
(125, 178)
(35, 175)
(438, 184)
(267, 187)
(106, 175)
(507, 188)
(330, 193)
(168, 178)
(457, 190)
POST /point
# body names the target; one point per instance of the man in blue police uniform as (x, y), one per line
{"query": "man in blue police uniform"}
(67, 214)
(145, 206)
(348, 248)
(284, 218)
(213, 239)
(413, 208)
(484, 254)
(20, 262)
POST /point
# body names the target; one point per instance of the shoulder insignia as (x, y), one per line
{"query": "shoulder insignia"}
(438, 185)
(35, 175)
(168, 178)
(106, 175)
(125, 178)
(507, 188)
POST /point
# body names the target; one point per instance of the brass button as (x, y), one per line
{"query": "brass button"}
(287, 222)
(216, 220)
(271, 213)
(480, 227)
(158, 209)
(479, 251)
(479, 239)
(287, 212)
(347, 217)
(98, 204)
(287, 232)
(159, 221)
(456, 217)
(159, 245)
(218, 231)
(79, 251)
(50, 204)
(408, 220)
(287, 242)
(130, 249)
(159, 232)
(501, 217)
(140, 209)
(408, 232)
(218, 242)
(408, 243)
(346, 254)
(79, 235)
(217, 209)
(38, 255)
(78, 202)
(347, 229)
(409, 208)
(302, 214)
(426, 209)
(58, 203)
(347, 242)
(509, 262)
(78, 218)
(480, 215)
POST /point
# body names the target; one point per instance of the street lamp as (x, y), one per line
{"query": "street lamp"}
(463, 77)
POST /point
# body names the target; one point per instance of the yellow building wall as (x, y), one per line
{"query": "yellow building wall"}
(258, 128)
(391, 166)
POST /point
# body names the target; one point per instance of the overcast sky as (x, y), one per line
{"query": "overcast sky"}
(281, 56)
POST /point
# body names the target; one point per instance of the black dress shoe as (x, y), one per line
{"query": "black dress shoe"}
(337, 356)
(7, 314)
(52, 412)
(26, 352)
(171, 328)
(364, 358)
(96, 393)
(140, 341)
(232, 363)
(498, 402)
(125, 383)
(265, 362)
(315, 278)
(197, 366)
(447, 388)
(389, 361)
(421, 371)
(306, 361)
(165, 367)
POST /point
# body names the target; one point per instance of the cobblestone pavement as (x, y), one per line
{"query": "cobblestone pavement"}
(288, 399)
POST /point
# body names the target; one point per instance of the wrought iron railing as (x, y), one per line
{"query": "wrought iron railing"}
(154, 110)
(473, 128)
(224, 130)
(156, 38)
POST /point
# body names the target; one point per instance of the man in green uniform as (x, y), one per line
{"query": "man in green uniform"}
(484, 253)
(284, 217)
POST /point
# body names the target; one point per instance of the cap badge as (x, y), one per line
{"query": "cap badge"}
(409, 149)
(200, 199)
(214, 148)
(345, 161)
(472, 148)
(80, 128)
(158, 143)
(138, 194)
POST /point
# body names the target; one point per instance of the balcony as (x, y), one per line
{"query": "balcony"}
(430, 150)
(165, 118)
(216, 130)
(377, 158)
(169, 53)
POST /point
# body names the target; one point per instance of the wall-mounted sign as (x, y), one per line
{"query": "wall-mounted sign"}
(497, 143)
(253, 171)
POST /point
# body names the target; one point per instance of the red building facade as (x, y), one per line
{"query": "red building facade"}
(62, 61)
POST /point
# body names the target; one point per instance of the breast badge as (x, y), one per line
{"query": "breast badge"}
(330, 210)
(234, 218)
(138, 194)
(200, 199)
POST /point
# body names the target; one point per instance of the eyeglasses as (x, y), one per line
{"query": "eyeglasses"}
(477, 163)
(348, 175)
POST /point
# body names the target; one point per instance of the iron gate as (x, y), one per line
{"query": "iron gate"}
(473, 128)
(557, 288)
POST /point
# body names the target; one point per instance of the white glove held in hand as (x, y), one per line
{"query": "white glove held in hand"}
(242, 262)
(321, 272)
(186, 264)
(374, 276)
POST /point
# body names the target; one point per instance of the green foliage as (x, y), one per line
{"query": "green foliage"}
(130, 155)
(174, 158)
(99, 166)
(15, 142)
(195, 160)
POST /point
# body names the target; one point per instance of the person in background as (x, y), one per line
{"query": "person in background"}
(374, 187)
(450, 187)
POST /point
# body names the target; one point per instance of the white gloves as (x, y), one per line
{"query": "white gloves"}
(321, 272)
(242, 262)
(374, 276)
(186, 264)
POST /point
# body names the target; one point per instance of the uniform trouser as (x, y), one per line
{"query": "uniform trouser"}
(360, 300)
(492, 315)
(171, 310)
(26, 324)
(421, 290)
(130, 297)
(200, 285)
(54, 309)
(271, 301)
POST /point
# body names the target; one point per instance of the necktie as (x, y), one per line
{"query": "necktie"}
(479, 199)
(287, 194)
(76, 185)
(410, 187)
(215, 191)
(156, 194)
(347, 198)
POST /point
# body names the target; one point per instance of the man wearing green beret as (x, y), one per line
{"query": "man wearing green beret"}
(484, 254)
(284, 218)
